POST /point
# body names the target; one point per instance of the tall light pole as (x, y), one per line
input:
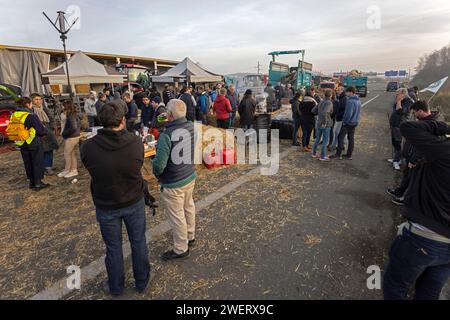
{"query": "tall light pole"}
(63, 31)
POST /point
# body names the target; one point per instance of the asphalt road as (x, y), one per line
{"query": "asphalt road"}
(309, 232)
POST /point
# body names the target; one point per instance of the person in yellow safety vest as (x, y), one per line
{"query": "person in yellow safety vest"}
(31, 148)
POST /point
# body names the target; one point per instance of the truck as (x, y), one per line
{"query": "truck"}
(357, 80)
(299, 77)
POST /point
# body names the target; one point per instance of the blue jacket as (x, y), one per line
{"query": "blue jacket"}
(352, 114)
(203, 101)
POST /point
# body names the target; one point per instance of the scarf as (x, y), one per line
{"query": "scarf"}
(39, 111)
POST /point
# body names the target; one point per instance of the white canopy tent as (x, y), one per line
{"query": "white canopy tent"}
(187, 71)
(83, 70)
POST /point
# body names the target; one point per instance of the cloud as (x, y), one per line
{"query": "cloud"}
(233, 36)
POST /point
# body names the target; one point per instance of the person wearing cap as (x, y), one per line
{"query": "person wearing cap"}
(89, 108)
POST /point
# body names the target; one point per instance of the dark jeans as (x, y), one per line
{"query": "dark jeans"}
(307, 128)
(296, 126)
(397, 143)
(400, 191)
(91, 120)
(33, 160)
(414, 260)
(48, 159)
(224, 124)
(111, 228)
(348, 131)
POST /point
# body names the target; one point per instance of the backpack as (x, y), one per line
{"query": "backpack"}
(16, 130)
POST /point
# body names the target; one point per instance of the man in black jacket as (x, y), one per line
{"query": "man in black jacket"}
(114, 159)
(410, 154)
(339, 114)
(420, 255)
(400, 113)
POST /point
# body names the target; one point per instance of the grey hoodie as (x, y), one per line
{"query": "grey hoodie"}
(324, 110)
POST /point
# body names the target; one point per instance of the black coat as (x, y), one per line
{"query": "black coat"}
(72, 127)
(190, 109)
(427, 200)
(114, 160)
(306, 106)
(246, 110)
(339, 115)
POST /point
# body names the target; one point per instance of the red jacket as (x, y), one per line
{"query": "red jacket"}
(222, 108)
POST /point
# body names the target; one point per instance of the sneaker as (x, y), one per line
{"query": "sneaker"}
(325, 159)
(146, 290)
(347, 157)
(171, 255)
(396, 166)
(336, 156)
(62, 174)
(390, 160)
(49, 172)
(392, 193)
(40, 186)
(315, 155)
(71, 174)
(399, 201)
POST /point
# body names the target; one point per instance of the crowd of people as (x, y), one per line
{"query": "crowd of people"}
(331, 118)
(420, 255)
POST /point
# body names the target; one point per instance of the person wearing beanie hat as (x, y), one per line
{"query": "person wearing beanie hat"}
(156, 100)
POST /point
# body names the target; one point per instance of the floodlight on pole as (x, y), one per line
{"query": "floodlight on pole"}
(63, 31)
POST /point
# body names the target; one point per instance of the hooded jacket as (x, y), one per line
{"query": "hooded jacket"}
(427, 200)
(306, 106)
(352, 114)
(247, 109)
(114, 160)
(222, 108)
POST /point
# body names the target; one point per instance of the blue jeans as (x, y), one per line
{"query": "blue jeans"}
(111, 228)
(325, 133)
(414, 260)
(48, 159)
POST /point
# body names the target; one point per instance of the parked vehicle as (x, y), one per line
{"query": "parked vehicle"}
(392, 86)
(8, 95)
(357, 81)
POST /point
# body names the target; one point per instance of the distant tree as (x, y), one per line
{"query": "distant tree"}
(432, 67)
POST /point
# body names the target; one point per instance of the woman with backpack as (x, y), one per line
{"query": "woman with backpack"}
(71, 135)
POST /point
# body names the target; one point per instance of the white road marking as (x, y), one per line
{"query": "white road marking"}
(366, 103)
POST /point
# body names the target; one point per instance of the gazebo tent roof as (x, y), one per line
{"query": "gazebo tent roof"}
(83, 70)
(187, 70)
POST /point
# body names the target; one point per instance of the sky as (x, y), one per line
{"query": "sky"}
(234, 35)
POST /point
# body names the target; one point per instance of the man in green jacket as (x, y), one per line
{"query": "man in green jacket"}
(174, 167)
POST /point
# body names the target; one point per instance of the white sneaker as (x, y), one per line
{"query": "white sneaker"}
(390, 160)
(71, 174)
(63, 174)
(397, 166)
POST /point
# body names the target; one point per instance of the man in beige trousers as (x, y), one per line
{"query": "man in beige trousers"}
(174, 167)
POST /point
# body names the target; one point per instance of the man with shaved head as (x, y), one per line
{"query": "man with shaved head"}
(175, 170)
